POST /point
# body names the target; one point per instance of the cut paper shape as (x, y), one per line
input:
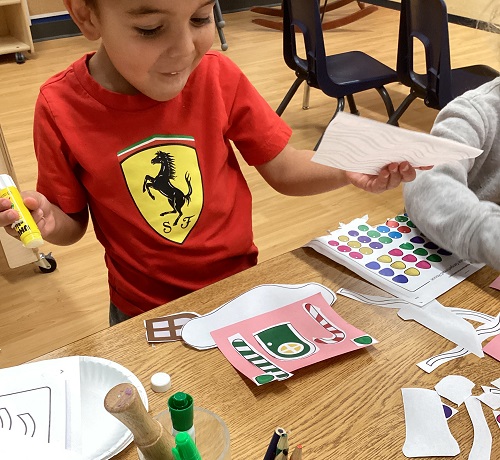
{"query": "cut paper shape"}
(492, 400)
(496, 414)
(496, 383)
(260, 299)
(449, 411)
(433, 315)
(354, 143)
(395, 257)
(492, 348)
(455, 388)
(441, 320)
(427, 431)
(493, 390)
(272, 345)
(482, 442)
(496, 284)
(485, 331)
(167, 328)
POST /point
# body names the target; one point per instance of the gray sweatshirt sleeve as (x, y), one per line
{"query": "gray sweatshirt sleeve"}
(440, 202)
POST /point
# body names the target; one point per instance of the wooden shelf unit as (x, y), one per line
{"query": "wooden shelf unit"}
(15, 33)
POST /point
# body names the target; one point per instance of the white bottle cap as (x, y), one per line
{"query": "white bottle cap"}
(160, 382)
(6, 181)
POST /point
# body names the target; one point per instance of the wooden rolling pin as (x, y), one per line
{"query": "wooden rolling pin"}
(124, 403)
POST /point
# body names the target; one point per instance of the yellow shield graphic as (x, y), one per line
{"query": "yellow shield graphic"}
(164, 179)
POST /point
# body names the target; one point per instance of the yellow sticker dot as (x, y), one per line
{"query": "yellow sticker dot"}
(354, 244)
(366, 251)
(343, 238)
(398, 265)
(412, 272)
(385, 259)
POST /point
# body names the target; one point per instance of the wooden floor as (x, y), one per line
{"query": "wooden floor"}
(40, 312)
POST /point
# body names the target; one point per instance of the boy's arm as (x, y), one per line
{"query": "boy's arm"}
(55, 225)
(292, 172)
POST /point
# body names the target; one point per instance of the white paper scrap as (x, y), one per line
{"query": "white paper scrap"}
(496, 383)
(364, 145)
(492, 400)
(427, 431)
(481, 445)
(488, 389)
(432, 363)
(455, 388)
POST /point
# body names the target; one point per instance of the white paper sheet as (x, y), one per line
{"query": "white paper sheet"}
(481, 445)
(363, 145)
(427, 432)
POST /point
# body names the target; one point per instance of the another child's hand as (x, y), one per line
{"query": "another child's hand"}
(389, 177)
(40, 210)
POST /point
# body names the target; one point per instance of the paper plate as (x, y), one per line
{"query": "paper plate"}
(103, 436)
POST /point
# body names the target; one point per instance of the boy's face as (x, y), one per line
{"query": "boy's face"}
(152, 45)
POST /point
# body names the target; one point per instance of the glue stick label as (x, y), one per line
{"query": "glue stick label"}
(25, 227)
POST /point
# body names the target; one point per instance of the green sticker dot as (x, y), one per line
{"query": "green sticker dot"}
(434, 258)
(363, 228)
(401, 218)
(407, 246)
(373, 234)
(411, 224)
(264, 378)
(385, 240)
(420, 252)
(363, 340)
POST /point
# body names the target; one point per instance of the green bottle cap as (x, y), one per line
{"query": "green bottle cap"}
(181, 409)
(186, 447)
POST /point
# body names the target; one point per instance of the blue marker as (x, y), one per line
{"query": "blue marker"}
(181, 409)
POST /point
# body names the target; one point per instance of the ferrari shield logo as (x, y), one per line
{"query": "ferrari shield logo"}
(163, 177)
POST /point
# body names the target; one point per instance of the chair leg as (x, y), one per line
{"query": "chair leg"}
(387, 100)
(395, 116)
(340, 108)
(305, 97)
(219, 21)
(352, 104)
(288, 96)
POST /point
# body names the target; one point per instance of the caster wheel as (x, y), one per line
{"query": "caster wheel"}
(20, 59)
(51, 261)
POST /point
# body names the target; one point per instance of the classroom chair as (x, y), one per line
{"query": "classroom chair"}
(338, 75)
(426, 22)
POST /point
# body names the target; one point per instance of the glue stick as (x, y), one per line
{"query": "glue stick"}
(25, 226)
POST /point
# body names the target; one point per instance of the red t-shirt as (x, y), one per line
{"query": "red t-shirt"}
(166, 195)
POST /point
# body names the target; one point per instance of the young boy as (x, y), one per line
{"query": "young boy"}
(138, 134)
(457, 204)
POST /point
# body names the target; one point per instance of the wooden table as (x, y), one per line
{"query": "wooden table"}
(347, 407)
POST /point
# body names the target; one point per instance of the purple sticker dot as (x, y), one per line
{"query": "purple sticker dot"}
(417, 239)
(364, 239)
(376, 245)
(356, 255)
(373, 265)
(333, 243)
(431, 245)
(402, 279)
(353, 233)
(386, 272)
(344, 248)
(383, 229)
(444, 252)
(447, 411)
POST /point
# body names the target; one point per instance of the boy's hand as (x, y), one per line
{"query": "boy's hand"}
(389, 177)
(40, 210)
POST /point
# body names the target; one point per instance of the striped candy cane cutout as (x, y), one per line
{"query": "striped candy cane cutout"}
(315, 313)
(271, 370)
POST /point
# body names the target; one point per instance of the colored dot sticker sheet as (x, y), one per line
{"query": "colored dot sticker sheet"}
(354, 143)
(396, 257)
